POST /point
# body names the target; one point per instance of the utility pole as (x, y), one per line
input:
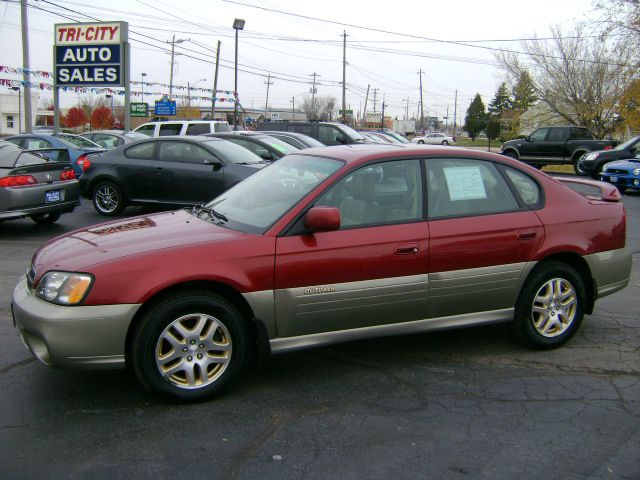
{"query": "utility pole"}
(446, 121)
(455, 113)
(26, 75)
(375, 99)
(173, 47)
(406, 110)
(293, 108)
(268, 83)
(421, 104)
(364, 112)
(382, 117)
(344, 77)
(313, 93)
(215, 84)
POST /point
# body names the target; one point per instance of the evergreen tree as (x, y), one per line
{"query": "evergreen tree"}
(524, 95)
(476, 118)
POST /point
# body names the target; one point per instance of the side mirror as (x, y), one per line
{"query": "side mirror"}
(322, 219)
(215, 163)
(528, 138)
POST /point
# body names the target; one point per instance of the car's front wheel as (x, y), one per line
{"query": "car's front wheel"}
(107, 199)
(550, 307)
(577, 167)
(46, 218)
(445, 142)
(189, 346)
(421, 142)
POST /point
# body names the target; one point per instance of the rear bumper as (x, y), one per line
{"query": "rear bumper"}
(63, 207)
(85, 337)
(25, 201)
(610, 270)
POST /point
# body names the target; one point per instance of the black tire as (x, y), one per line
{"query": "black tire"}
(421, 142)
(576, 165)
(175, 312)
(511, 154)
(107, 199)
(531, 311)
(444, 142)
(46, 218)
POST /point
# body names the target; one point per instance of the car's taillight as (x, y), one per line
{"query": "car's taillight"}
(17, 181)
(67, 175)
(83, 162)
(608, 147)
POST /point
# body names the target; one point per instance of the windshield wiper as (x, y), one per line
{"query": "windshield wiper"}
(197, 209)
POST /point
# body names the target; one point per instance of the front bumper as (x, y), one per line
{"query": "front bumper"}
(84, 337)
(621, 180)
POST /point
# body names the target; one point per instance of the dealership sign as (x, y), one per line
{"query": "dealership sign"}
(90, 54)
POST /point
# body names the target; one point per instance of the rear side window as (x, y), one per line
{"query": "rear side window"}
(198, 128)
(147, 130)
(143, 151)
(580, 134)
(462, 187)
(170, 129)
(555, 135)
(527, 188)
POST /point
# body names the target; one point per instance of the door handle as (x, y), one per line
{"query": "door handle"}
(528, 234)
(407, 249)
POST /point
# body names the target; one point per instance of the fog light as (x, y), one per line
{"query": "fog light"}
(636, 182)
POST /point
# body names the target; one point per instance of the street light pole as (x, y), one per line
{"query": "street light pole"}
(142, 85)
(238, 24)
(293, 108)
(108, 96)
(17, 89)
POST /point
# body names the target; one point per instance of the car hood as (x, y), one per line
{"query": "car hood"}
(630, 164)
(81, 249)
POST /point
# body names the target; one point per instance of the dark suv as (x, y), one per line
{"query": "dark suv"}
(328, 133)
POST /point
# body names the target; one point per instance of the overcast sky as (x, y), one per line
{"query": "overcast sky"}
(385, 54)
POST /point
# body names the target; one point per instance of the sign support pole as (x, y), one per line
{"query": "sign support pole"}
(127, 87)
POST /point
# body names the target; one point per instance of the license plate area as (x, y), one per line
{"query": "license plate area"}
(53, 196)
(613, 179)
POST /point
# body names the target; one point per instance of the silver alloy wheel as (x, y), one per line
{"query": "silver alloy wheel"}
(107, 198)
(193, 351)
(554, 307)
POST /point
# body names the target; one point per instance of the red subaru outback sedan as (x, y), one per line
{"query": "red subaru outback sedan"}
(325, 246)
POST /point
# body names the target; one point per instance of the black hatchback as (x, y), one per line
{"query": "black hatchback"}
(172, 170)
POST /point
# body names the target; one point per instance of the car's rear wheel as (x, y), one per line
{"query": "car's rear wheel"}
(107, 199)
(421, 141)
(510, 154)
(189, 346)
(551, 306)
(46, 218)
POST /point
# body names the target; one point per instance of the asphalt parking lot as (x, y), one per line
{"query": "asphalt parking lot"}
(460, 404)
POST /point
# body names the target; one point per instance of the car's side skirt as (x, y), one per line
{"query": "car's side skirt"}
(281, 345)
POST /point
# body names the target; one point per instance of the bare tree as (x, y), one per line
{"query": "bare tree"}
(320, 107)
(579, 77)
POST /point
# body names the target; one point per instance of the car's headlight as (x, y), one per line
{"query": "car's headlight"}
(636, 171)
(64, 288)
(591, 156)
(604, 169)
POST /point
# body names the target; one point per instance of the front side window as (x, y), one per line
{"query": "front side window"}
(147, 130)
(462, 187)
(384, 193)
(538, 135)
(143, 151)
(257, 202)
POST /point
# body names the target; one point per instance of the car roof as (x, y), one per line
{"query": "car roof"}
(183, 138)
(366, 152)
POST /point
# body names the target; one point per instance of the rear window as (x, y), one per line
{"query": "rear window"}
(13, 157)
(77, 141)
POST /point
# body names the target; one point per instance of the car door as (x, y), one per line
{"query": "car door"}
(533, 148)
(372, 271)
(133, 172)
(483, 232)
(186, 173)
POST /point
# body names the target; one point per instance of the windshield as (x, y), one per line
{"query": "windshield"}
(233, 153)
(350, 132)
(629, 143)
(282, 147)
(77, 141)
(254, 204)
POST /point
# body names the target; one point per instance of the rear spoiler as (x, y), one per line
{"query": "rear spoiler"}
(592, 189)
(52, 154)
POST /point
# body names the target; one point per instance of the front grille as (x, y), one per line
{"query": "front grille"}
(31, 276)
(616, 171)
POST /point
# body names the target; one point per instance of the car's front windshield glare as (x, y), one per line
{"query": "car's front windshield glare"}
(256, 203)
(77, 141)
(350, 132)
(626, 144)
(233, 153)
